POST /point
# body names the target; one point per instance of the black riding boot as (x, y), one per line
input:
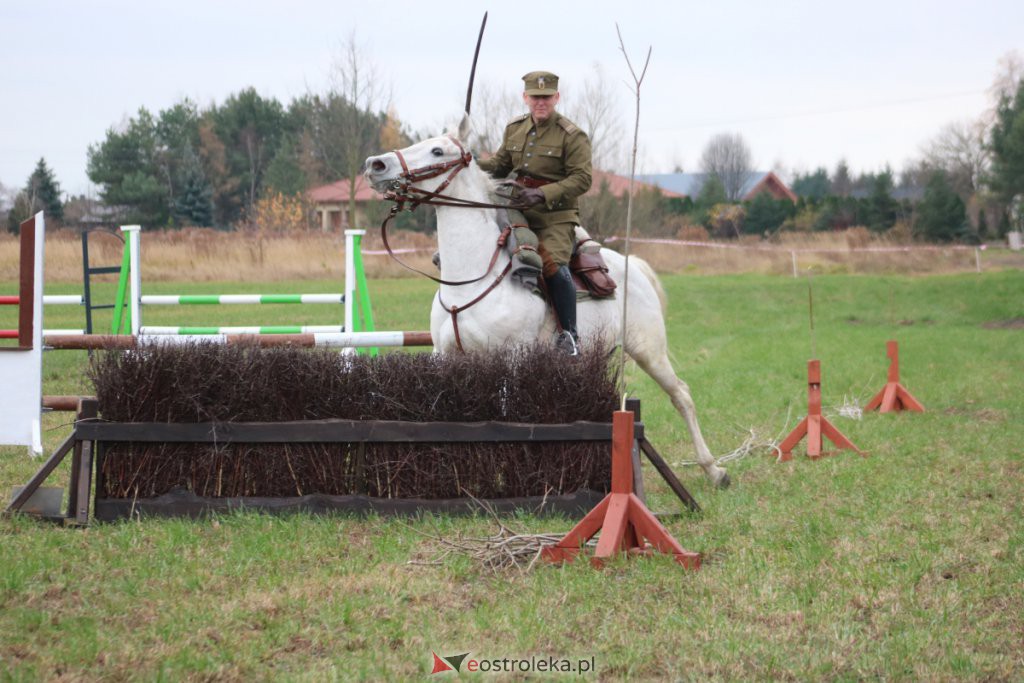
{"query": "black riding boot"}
(563, 297)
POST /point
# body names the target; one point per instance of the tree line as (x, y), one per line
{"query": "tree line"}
(187, 166)
(251, 159)
(968, 186)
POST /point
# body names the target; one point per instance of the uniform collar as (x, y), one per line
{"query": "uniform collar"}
(547, 124)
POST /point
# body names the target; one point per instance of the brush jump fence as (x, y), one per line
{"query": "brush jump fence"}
(188, 431)
(93, 483)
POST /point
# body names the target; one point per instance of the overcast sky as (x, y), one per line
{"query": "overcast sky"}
(806, 83)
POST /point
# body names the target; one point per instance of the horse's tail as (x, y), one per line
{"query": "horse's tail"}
(645, 268)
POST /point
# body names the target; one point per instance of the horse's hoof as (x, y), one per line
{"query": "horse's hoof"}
(723, 481)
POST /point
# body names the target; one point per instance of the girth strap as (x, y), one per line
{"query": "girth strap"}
(455, 310)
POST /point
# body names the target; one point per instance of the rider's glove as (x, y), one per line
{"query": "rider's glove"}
(531, 196)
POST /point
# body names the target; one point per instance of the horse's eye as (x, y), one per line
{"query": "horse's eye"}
(437, 152)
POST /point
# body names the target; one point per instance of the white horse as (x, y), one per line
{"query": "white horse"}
(467, 237)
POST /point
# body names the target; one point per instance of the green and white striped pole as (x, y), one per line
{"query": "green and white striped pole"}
(135, 276)
(223, 299)
(356, 292)
(264, 329)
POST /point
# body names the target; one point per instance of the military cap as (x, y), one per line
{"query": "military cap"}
(540, 83)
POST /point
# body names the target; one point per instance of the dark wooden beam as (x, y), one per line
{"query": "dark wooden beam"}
(342, 431)
(26, 290)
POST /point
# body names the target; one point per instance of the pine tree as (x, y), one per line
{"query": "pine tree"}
(43, 192)
(1007, 145)
(941, 215)
(19, 212)
(194, 203)
(880, 214)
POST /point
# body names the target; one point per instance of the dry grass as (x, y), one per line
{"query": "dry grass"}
(204, 255)
(849, 251)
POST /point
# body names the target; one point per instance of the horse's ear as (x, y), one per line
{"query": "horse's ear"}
(465, 128)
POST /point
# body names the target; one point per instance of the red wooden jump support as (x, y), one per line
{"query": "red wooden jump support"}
(815, 425)
(894, 396)
(625, 523)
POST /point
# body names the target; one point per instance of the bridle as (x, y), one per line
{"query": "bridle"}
(401, 191)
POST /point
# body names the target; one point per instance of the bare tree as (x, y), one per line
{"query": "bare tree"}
(594, 107)
(1009, 73)
(348, 119)
(493, 108)
(6, 197)
(728, 157)
(959, 149)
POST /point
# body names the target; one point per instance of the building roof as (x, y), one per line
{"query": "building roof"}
(619, 185)
(338, 192)
(690, 184)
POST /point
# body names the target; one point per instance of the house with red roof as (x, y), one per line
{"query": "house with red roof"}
(690, 184)
(332, 205)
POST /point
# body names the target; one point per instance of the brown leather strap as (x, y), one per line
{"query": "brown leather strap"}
(455, 325)
(531, 182)
(502, 239)
(455, 310)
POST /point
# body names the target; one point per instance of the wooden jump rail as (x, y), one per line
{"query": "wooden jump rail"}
(97, 342)
(86, 445)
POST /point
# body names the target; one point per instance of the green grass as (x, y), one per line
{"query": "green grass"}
(907, 564)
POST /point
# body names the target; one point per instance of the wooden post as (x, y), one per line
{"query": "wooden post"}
(39, 477)
(815, 425)
(625, 523)
(894, 396)
(80, 486)
(633, 406)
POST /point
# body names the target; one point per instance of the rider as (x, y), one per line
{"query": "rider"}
(550, 156)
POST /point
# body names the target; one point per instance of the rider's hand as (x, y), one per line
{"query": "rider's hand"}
(531, 196)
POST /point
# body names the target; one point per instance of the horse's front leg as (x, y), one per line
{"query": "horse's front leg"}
(659, 368)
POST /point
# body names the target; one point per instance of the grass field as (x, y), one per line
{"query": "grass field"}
(906, 565)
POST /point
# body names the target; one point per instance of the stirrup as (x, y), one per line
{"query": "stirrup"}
(567, 344)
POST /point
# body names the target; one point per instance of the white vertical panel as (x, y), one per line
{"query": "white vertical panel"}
(21, 372)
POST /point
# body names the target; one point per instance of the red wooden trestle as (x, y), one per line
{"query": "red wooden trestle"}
(894, 396)
(815, 425)
(625, 523)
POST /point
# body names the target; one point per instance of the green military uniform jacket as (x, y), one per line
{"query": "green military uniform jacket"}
(556, 150)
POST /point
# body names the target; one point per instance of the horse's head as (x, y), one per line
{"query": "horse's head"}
(428, 165)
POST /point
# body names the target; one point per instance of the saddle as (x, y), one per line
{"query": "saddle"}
(587, 266)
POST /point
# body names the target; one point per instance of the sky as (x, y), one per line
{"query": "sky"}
(805, 83)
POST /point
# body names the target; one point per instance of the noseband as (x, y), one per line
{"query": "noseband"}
(402, 190)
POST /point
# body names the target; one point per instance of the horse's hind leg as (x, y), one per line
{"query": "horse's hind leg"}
(657, 365)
